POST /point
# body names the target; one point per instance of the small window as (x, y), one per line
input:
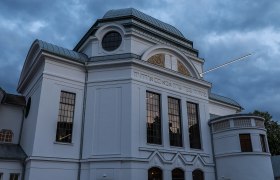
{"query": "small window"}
(175, 130)
(111, 41)
(153, 118)
(157, 59)
(198, 175)
(193, 122)
(154, 173)
(245, 143)
(65, 117)
(263, 143)
(14, 176)
(6, 135)
(27, 108)
(178, 174)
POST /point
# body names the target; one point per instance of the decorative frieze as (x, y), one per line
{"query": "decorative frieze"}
(170, 84)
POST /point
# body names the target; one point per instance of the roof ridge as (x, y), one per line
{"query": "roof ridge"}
(232, 102)
(59, 50)
(144, 17)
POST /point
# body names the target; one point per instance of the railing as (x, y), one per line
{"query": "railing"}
(236, 121)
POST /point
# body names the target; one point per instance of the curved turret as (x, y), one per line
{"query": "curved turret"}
(240, 147)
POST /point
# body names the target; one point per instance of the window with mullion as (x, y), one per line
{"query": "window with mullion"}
(245, 143)
(65, 117)
(175, 130)
(263, 143)
(153, 118)
(193, 122)
(14, 176)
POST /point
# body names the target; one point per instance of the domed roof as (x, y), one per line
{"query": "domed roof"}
(144, 17)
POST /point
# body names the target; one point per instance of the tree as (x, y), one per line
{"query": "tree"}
(273, 132)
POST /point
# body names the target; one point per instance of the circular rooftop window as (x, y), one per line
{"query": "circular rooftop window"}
(111, 41)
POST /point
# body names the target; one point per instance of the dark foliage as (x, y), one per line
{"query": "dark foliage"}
(273, 132)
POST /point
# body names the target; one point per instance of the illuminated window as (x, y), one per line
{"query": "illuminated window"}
(111, 41)
(153, 118)
(175, 132)
(178, 174)
(198, 175)
(65, 117)
(6, 135)
(182, 69)
(245, 143)
(154, 173)
(193, 121)
(157, 59)
(263, 143)
(14, 176)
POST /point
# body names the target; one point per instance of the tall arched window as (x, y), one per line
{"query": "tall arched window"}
(155, 173)
(178, 174)
(198, 175)
(6, 135)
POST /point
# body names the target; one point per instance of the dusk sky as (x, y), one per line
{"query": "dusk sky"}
(220, 30)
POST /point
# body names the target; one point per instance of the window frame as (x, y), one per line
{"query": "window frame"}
(245, 145)
(263, 143)
(155, 168)
(180, 141)
(197, 122)
(196, 171)
(152, 139)
(59, 122)
(107, 42)
(14, 176)
(6, 136)
(177, 178)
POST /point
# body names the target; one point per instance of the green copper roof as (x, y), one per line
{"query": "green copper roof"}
(223, 99)
(11, 152)
(144, 17)
(57, 50)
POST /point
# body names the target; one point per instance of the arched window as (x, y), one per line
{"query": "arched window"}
(178, 174)
(198, 175)
(157, 59)
(6, 135)
(154, 173)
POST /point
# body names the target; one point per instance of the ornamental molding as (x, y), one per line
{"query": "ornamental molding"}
(170, 84)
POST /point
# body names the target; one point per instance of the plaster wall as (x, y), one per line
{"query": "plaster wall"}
(221, 110)
(8, 167)
(245, 167)
(55, 170)
(11, 118)
(58, 77)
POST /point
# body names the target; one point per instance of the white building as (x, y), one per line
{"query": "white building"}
(127, 103)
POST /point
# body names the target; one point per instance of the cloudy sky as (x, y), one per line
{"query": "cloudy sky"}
(220, 30)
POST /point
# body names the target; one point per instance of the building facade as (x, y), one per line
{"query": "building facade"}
(128, 102)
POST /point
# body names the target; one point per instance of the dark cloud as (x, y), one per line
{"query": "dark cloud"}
(220, 30)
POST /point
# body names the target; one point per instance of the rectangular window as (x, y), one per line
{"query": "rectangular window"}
(245, 143)
(14, 176)
(193, 122)
(153, 118)
(174, 116)
(263, 143)
(65, 117)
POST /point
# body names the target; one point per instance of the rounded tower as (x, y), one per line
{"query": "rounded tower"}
(240, 148)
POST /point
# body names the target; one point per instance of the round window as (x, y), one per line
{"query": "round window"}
(111, 41)
(27, 108)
